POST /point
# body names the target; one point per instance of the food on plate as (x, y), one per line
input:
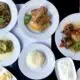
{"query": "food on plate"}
(71, 40)
(35, 59)
(39, 19)
(6, 47)
(76, 46)
(5, 74)
(5, 15)
(65, 69)
(27, 18)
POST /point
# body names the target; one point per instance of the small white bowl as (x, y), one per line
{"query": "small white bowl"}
(3, 70)
(73, 18)
(33, 4)
(15, 53)
(38, 73)
(14, 14)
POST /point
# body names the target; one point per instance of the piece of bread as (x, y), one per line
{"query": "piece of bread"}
(65, 69)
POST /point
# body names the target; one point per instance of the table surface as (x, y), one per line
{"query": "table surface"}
(65, 7)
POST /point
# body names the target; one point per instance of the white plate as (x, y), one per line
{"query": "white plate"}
(13, 21)
(37, 73)
(74, 18)
(16, 51)
(3, 70)
(30, 5)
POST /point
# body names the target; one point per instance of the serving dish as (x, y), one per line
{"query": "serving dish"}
(54, 15)
(13, 20)
(7, 61)
(41, 72)
(74, 19)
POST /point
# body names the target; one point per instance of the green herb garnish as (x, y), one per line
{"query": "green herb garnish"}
(27, 18)
(76, 46)
(47, 24)
(1, 20)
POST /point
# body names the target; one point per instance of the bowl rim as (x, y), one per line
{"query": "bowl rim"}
(40, 70)
(67, 19)
(14, 15)
(47, 33)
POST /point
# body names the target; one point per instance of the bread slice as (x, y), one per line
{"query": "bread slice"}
(65, 69)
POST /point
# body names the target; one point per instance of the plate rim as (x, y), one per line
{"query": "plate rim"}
(25, 53)
(61, 52)
(37, 37)
(13, 60)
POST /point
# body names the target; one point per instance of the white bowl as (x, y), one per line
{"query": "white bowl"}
(73, 18)
(39, 73)
(14, 14)
(15, 52)
(3, 70)
(30, 5)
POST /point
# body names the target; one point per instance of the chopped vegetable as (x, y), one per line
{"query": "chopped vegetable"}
(5, 15)
(1, 20)
(76, 46)
(6, 46)
(27, 19)
(47, 24)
